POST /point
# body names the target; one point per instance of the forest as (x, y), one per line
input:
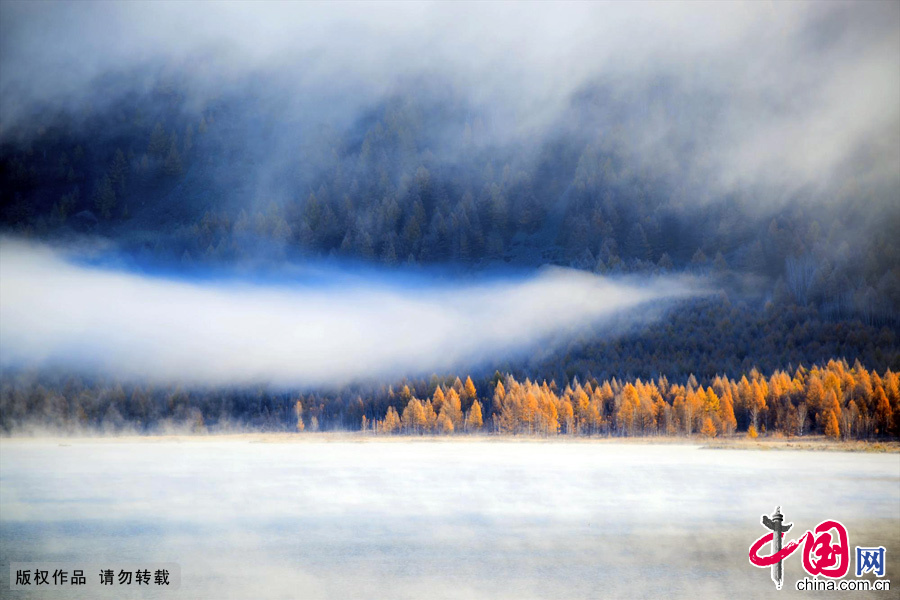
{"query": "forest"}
(805, 283)
(190, 165)
(833, 399)
(417, 180)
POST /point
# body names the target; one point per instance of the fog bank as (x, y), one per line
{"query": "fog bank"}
(54, 311)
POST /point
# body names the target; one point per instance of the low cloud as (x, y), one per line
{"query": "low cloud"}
(729, 95)
(55, 311)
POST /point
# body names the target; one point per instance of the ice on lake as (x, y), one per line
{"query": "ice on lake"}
(435, 519)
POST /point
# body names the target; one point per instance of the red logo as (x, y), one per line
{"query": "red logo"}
(826, 549)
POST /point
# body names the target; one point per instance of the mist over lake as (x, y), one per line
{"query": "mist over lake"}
(413, 519)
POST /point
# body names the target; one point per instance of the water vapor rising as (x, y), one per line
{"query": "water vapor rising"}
(54, 311)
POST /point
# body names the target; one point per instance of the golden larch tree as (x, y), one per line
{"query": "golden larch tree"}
(430, 416)
(726, 414)
(832, 429)
(628, 409)
(453, 408)
(474, 419)
(444, 423)
(391, 420)
(469, 388)
(708, 429)
(883, 412)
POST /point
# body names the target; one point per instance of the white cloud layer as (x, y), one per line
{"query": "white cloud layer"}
(55, 311)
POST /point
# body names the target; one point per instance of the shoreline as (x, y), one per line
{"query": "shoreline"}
(806, 444)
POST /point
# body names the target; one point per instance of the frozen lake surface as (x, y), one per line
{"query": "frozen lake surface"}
(432, 519)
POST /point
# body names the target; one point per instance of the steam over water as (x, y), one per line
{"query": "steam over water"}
(418, 519)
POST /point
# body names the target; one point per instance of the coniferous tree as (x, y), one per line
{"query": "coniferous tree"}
(105, 198)
(298, 411)
(159, 142)
(172, 165)
(391, 421)
(832, 429)
(474, 420)
(708, 429)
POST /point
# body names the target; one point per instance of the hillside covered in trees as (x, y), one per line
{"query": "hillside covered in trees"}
(227, 152)
(419, 180)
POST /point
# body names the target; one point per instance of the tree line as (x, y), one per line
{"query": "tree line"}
(833, 399)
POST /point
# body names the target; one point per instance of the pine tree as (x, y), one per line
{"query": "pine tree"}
(581, 404)
(474, 420)
(832, 429)
(757, 402)
(298, 410)
(388, 254)
(444, 423)
(391, 420)
(430, 416)
(188, 138)
(726, 414)
(118, 170)
(172, 165)
(628, 410)
(883, 412)
(708, 429)
(437, 399)
(413, 419)
(159, 142)
(469, 389)
(567, 415)
(453, 408)
(105, 197)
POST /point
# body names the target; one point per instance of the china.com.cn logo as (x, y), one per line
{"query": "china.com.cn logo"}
(826, 550)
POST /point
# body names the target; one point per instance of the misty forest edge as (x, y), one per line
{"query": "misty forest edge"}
(834, 400)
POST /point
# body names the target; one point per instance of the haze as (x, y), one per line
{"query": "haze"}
(736, 95)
